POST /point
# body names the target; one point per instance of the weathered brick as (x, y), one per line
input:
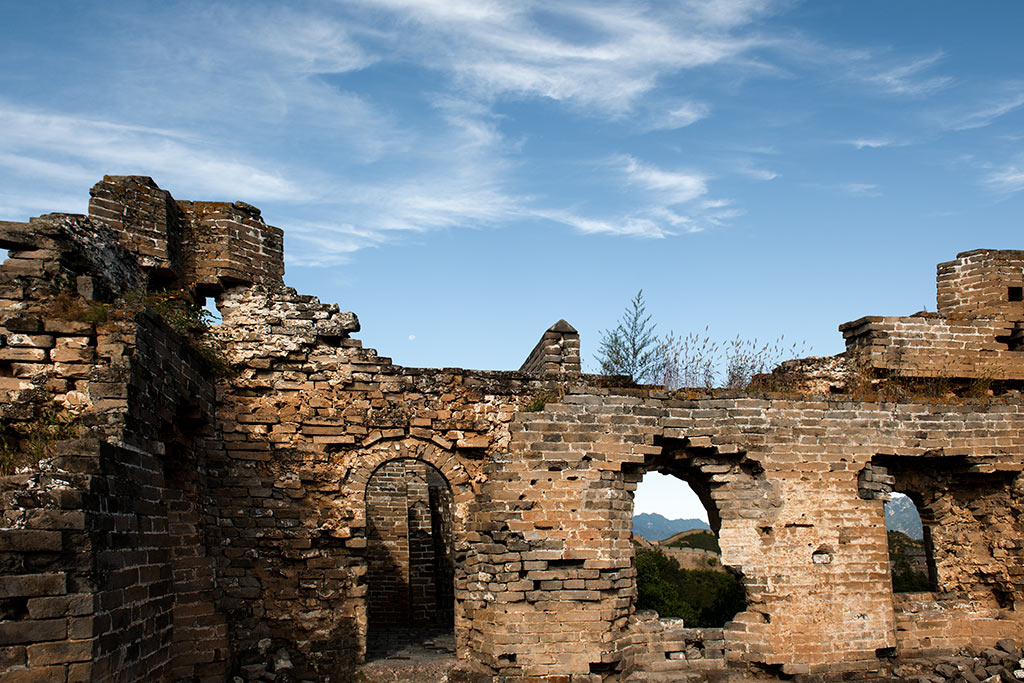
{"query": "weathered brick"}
(62, 652)
(32, 631)
(30, 585)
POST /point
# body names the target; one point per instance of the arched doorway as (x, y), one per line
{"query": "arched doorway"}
(410, 556)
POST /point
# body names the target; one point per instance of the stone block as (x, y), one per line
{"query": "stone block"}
(60, 652)
(31, 585)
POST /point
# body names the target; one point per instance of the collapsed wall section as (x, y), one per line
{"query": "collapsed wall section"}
(322, 442)
(211, 245)
(811, 549)
(982, 282)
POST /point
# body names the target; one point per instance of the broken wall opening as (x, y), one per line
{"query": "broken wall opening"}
(966, 512)
(410, 556)
(682, 575)
(911, 554)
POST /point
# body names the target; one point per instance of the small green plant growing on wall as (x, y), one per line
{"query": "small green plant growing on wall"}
(70, 306)
(25, 443)
(178, 309)
(539, 401)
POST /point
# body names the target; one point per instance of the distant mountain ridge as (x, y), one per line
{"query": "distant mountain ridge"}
(655, 527)
(900, 515)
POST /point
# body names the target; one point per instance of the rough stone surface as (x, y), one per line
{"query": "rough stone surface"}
(165, 521)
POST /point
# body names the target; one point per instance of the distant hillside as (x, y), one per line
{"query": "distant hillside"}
(654, 527)
(900, 515)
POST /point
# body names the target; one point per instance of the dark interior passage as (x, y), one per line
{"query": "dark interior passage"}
(410, 574)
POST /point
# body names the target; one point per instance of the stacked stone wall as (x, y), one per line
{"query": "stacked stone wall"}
(557, 352)
(229, 244)
(811, 550)
(212, 244)
(145, 219)
(979, 282)
(933, 346)
(99, 572)
(977, 333)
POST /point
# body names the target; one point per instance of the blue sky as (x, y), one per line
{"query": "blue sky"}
(463, 173)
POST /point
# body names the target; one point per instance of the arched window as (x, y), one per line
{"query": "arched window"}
(410, 556)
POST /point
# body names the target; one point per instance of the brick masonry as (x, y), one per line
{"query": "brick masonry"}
(269, 522)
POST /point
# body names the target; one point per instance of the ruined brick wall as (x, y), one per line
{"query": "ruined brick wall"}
(929, 345)
(213, 244)
(229, 244)
(783, 477)
(262, 523)
(153, 581)
(308, 420)
(145, 219)
(982, 282)
(99, 576)
(977, 333)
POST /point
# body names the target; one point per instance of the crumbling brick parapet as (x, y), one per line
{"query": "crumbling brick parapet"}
(209, 245)
(557, 352)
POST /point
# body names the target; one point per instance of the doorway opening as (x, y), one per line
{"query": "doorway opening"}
(410, 559)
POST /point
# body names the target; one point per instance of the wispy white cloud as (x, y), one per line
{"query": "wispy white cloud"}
(870, 143)
(909, 78)
(747, 168)
(987, 114)
(664, 203)
(304, 43)
(634, 226)
(853, 189)
(675, 115)
(1008, 179)
(17, 203)
(66, 148)
(860, 189)
(262, 80)
(614, 55)
(672, 187)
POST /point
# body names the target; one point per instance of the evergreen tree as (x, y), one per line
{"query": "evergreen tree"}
(631, 348)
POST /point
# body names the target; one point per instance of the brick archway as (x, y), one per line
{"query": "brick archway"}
(410, 554)
(415, 496)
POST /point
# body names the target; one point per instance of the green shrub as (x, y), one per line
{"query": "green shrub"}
(178, 309)
(25, 443)
(906, 577)
(701, 598)
(539, 401)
